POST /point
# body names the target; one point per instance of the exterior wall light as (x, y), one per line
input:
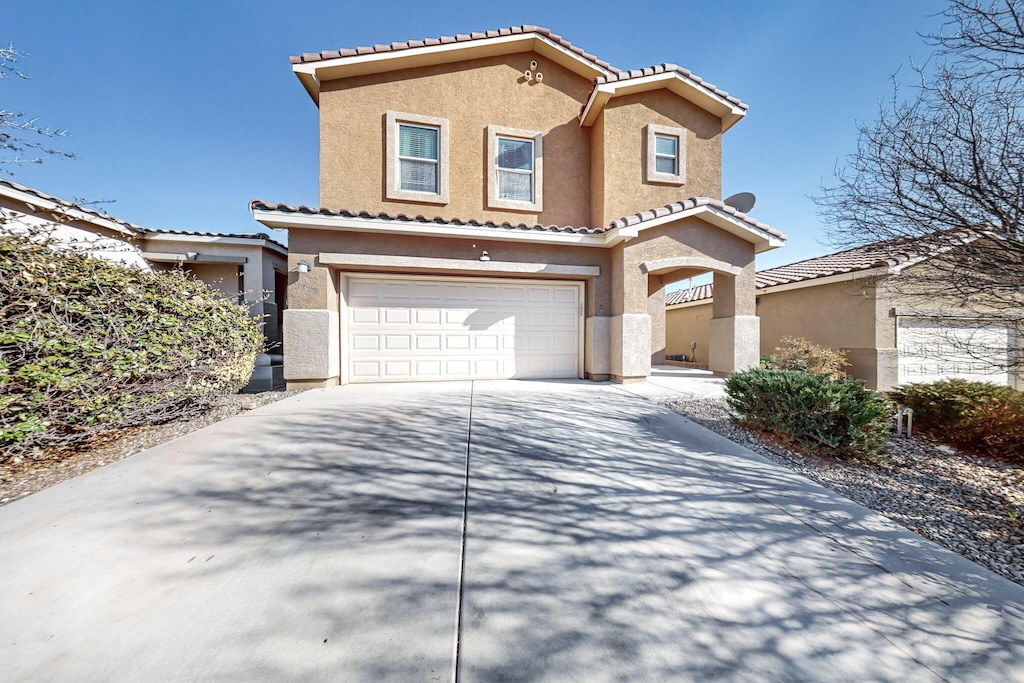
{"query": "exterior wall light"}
(485, 256)
(304, 266)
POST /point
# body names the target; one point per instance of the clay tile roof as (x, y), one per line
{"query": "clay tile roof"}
(64, 204)
(670, 68)
(156, 232)
(257, 204)
(683, 296)
(888, 253)
(458, 38)
(692, 203)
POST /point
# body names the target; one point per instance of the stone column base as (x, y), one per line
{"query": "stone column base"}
(734, 344)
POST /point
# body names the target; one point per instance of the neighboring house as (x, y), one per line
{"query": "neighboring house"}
(858, 301)
(250, 264)
(505, 204)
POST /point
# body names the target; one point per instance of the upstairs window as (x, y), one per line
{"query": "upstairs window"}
(418, 158)
(666, 155)
(515, 171)
(416, 161)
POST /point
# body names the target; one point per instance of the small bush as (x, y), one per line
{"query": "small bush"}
(975, 416)
(813, 411)
(88, 346)
(803, 356)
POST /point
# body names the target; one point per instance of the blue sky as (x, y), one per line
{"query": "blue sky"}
(183, 111)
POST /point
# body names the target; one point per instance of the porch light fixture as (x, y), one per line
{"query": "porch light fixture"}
(304, 266)
(484, 256)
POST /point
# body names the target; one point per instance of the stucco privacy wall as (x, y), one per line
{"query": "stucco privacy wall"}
(471, 95)
(620, 141)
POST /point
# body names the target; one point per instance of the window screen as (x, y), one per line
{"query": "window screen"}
(666, 154)
(418, 156)
(515, 169)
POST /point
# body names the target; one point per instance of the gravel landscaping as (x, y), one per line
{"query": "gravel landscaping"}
(25, 476)
(973, 506)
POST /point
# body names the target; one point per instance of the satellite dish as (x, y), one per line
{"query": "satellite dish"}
(742, 201)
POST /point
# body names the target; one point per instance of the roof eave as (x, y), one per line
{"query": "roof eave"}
(35, 203)
(711, 102)
(311, 74)
(284, 220)
(762, 241)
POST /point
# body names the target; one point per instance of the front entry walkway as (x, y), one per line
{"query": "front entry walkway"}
(320, 538)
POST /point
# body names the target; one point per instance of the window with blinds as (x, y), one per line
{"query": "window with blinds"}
(666, 154)
(515, 169)
(418, 158)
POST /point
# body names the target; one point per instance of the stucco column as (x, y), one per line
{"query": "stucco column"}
(630, 323)
(734, 332)
(312, 340)
(656, 309)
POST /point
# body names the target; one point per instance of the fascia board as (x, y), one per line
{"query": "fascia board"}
(677, 83)
(762, 241)
(690, 304)
(33, 203)
(881, 271)
(285, 221)
(311, 74)
(204, 239)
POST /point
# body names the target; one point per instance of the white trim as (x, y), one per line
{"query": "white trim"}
(581, 300)
(686, 88)
(393, 166)
(764, 241)
(311, 74)
(814, 282)
(35, 205)
(493, 200)
(213, 239)
(651, 173)
(282, 220)
(881, 271)
(710, 264)
(463, 265)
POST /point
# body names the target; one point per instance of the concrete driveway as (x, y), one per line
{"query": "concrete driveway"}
(321, 537)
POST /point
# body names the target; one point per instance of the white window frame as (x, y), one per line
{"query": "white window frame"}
(494, 201)
(651, 174)
(393, 165)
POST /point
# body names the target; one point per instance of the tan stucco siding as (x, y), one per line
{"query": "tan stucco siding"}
(309, 244)
(222, 277)
(470, 95)
(686, 326)
(689, 237)
(839, 315)
(619, 187)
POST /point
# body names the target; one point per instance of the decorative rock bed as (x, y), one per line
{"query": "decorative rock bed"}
(971, 505)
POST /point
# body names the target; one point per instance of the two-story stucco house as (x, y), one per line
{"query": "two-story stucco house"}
(505, 204)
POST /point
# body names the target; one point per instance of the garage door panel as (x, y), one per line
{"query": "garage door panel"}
(406, 330)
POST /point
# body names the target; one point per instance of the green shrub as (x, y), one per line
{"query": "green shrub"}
(812, 411)
(803, 356)
(87, 346)
(975, 416)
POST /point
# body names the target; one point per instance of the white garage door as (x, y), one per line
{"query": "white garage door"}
(931, 350)
(448, 329)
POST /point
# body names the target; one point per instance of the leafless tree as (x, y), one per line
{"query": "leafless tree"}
(940, 173)
(22, 139)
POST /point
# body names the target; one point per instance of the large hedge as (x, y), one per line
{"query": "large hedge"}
(976, 416)
(814, 411)
(88, 346)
